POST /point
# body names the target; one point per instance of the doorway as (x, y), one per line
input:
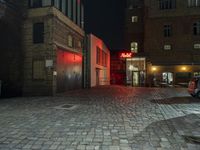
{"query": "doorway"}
(135, 78)
(167, 77)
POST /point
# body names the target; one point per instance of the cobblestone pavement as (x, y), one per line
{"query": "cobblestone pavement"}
(104, 118)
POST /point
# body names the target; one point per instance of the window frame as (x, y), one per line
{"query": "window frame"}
(167, 4)
(167, 30)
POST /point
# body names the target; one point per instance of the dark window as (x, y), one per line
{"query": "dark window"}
(98, 57)
(38, 33)
(35, 3)
(167, 4)
(194, 3)
(167, 30)
(196, 28)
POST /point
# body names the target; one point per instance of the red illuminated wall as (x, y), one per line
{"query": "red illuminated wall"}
(69, 70)
(117, 68)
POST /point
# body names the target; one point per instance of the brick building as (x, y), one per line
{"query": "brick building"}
(42, 43)
(52, 42)
(171, 40)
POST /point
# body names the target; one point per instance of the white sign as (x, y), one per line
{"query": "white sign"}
(49, 63)
(167, 47)
(55, 73)
(196, 46)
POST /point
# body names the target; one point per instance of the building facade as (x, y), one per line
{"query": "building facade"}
(11, 75)
(97, 64)
(170, 40)
(52, 45)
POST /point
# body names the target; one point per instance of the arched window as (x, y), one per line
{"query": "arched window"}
(134, 47)
(196, 28)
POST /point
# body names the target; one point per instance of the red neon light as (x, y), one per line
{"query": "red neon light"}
(126, 55)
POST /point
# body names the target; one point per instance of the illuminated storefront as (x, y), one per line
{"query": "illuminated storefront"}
(127, 69)
(136, 71)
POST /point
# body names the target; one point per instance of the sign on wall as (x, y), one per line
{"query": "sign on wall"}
(126, 55)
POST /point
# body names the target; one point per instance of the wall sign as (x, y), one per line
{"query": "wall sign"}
(126, 55)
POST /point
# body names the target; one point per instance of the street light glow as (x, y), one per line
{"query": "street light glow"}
(154, 68)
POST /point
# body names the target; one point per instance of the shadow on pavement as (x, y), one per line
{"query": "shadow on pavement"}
(175, 133)
(177, 100)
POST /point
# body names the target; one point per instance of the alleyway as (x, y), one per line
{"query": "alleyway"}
(104, 118)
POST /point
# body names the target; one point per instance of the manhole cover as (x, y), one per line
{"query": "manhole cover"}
(192, 139)
(67, 107)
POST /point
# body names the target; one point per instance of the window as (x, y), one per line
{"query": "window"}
(167, 30)
(46, 2)
(134, 47)
(38, 33)
(196, 28)
(70, 41)
(134, 19)
(38, 69)
(167, 47)
(35, 3)
(79, 44)
(193, 3)
(57, 3)
(98, 57)
(64, 6)
(104, 59)
(197, 46)
(167, 4)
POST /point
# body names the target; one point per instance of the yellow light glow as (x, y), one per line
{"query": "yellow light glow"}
(184, 68)
(154, 68)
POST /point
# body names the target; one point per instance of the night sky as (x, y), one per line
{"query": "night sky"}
(104, 18)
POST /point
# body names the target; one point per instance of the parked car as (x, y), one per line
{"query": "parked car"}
(194, 87)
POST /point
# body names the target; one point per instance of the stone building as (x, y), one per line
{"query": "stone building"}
(171, 40)
(52, 42)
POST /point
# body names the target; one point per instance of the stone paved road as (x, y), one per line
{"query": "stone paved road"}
(104, 118)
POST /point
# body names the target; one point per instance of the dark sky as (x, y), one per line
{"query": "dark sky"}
(104, 18)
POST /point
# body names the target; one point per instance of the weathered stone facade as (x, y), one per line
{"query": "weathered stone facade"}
(57, 28)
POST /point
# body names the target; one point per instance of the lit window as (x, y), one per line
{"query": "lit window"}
(167, 47)
(196, 28)
(134, 47)
(70, 41)
(134, 18)
(167, 4)
(38, 69)
(197, 46)
(193, 3)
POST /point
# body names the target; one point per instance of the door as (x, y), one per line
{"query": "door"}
(135, 78)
